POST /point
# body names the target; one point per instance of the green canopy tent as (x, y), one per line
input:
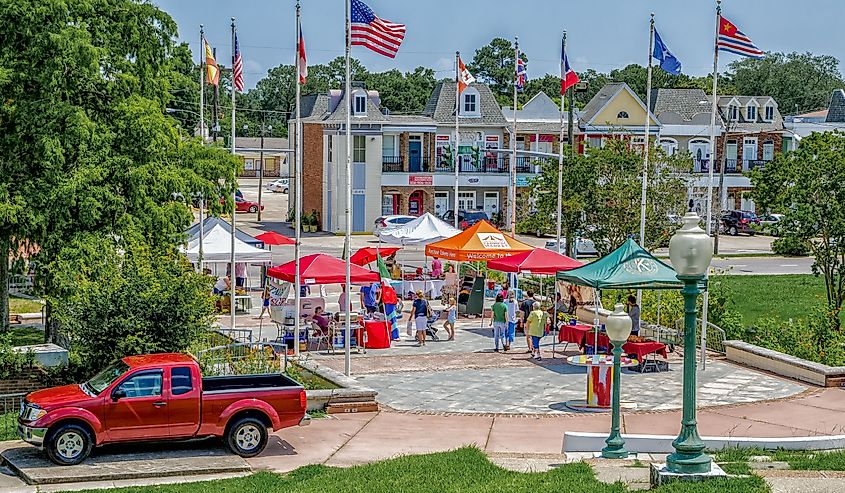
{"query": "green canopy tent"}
(628, 267)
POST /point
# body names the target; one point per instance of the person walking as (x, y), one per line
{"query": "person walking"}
(634, 313)
(512, 310)
(499, 321)
(526, 307)
(265, 302)
(420, 312)
(451, 318)
(536, 328)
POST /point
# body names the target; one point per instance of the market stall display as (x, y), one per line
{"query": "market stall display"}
(599, 381)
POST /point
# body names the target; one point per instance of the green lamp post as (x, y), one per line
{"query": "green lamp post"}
(690, 250)
(618, 327)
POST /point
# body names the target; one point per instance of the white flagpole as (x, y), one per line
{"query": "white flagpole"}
(348, 96)
(560, 151)
(233, 278)
(202, 136)
(455, 156)
(298, 185)
(647, 146)
(512, 197)
(712, 159)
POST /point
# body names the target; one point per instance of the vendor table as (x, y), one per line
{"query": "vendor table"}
(378, 334)
(599, 381)
(430, 287)
(573, 333)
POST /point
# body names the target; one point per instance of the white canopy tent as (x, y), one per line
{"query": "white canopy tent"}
(217, 248)
(425, 229)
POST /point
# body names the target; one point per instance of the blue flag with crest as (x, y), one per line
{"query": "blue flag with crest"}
(668, 62)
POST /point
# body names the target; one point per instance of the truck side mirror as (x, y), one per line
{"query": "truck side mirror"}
(118, 394)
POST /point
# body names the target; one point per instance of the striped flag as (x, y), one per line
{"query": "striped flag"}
(238, 67)
(212, 72)
(734, 41)
(303, 63)
(368, 30)
(568, 77)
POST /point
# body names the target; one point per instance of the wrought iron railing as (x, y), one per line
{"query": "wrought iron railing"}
(10, 406)
(392, 164)
(244, 358)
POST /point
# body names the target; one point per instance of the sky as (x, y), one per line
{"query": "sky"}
(602, 34)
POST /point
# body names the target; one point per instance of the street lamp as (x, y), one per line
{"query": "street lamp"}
(618, 326)
(690, 251)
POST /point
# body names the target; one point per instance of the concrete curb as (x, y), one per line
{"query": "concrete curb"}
(784, 364)
(350, 390)
(662, 444)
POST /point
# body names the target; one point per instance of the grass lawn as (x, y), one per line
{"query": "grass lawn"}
(23, 305)
(463, 470)
(797, 459)
(26, 336)
(774, 296)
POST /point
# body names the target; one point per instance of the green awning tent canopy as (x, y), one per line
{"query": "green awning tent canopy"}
(628, 267)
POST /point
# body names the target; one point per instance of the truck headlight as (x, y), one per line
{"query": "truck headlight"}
(32, 413)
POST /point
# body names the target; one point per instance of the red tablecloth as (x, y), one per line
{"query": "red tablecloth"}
(378, 334)
(573, 333)
(641, 349)
(589, 338)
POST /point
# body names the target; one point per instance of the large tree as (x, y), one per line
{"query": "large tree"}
(493, 64)
(808, 186)
(799, 82)
(86, 149)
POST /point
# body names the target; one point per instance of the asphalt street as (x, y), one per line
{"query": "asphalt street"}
(739, 251)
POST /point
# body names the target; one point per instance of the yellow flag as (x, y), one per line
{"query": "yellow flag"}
(212, 72)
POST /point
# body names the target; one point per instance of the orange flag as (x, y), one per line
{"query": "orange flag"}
(212, 72)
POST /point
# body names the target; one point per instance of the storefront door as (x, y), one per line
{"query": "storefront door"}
(441, 203)
(491, 203)
(415, 203)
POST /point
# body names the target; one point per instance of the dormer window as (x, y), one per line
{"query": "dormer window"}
(359, 107)
(751, 113)
(470, 102)
(733, 112)
(622, 114)
(769, 113)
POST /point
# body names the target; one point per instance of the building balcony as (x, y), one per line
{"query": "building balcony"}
(753, 163)
(392, 164)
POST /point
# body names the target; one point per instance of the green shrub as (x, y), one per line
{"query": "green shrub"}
(791, 246)
(13, 362)
(813, 338)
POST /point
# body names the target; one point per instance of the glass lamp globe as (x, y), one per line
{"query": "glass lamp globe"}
(690, 248)
(618, 324)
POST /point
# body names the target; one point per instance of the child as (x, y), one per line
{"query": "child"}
(451, 318)
(265, 304)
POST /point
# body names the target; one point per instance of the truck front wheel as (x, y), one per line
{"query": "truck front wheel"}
(247, 437)
(69, 444)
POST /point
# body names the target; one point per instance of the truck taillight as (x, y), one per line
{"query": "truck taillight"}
(303, 401)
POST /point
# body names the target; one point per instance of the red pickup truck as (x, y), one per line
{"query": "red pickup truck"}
(160, 397)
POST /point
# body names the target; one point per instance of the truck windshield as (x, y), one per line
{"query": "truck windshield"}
(106, 377)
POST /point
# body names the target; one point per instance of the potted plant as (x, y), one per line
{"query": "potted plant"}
(305, 221)
(315, 221)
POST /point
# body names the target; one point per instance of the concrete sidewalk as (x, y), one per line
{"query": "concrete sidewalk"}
(345, 440)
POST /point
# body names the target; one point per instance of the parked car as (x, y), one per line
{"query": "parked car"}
(279, 185)
(389, 222)
(160, 397)
(735, 222)
(583, 247)
(465, 218)
(769, 222)
(243, 205)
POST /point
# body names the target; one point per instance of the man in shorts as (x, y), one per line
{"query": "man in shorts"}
(499, 322)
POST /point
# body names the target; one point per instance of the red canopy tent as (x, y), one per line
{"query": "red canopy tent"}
(370, 254)
(320, 268)
(538, 261)
(273, 238)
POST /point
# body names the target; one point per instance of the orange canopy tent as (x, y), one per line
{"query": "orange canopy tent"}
(480, 242)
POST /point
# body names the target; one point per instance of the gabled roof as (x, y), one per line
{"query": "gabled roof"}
(374, 114)
(836, 109)
(758, 124)
(606, 94)
(540, 107)
(441, 106)
(688, 104)
(317, 108)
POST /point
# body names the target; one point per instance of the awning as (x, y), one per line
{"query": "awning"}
(481, 242)
(273, 238)
(425, 229)
(628, 267)
(320, 268)
(369, 254)
(217, 247)
(538, 261)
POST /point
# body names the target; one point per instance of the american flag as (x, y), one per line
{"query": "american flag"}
(238, 68)
(369, 30)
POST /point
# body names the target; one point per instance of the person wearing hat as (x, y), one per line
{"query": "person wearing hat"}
(420, 313)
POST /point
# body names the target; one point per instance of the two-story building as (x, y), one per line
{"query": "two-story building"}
(538, 125)
(616, 112)
(276, 162)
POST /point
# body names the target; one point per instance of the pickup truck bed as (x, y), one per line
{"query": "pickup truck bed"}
(246, 382)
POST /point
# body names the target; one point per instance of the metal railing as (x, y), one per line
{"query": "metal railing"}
(244, 358)
(730, 166)
(10, 406)
(392, 164)
(20, 284)
(753, 163)
(715, 335)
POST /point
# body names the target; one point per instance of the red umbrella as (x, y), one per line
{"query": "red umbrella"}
(320, 268)
(273, 238)
(370, 254)
(538, 261)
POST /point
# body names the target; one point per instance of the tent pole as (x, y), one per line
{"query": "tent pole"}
(596, 304)
(659, 302)
(555, 329)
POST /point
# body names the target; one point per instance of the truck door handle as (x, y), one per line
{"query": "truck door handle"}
(159, 404)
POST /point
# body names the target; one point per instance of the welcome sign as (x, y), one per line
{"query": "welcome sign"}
(493, 241)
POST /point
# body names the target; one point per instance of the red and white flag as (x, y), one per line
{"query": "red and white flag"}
(464, 77)
(303, 63)
(238, 67)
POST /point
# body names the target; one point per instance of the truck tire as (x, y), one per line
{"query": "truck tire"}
(733, 231)
(69, 444)
(247, 437)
